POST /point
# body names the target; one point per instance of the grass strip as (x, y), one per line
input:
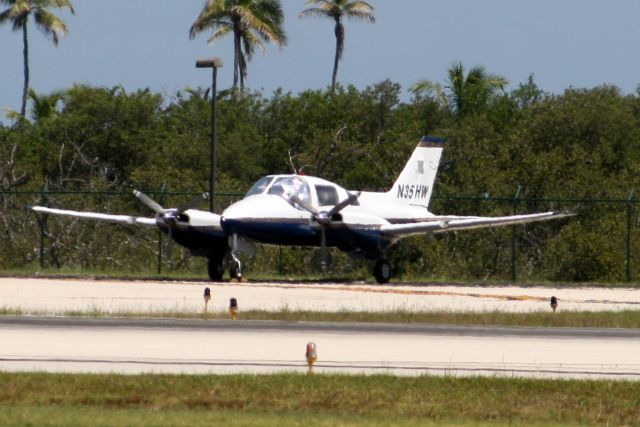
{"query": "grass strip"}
(356, 400)
(577, 319)
(66, 416)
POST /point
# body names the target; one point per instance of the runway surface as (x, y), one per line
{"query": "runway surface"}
(57, 344)
(57, 296)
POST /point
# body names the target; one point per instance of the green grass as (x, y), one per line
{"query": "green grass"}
(293, 399)
(578, 319)
(107, 417)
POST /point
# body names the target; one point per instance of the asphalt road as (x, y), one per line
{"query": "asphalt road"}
(59, 344)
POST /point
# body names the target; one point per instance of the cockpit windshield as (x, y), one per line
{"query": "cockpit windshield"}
(286, 186)
(259, 186)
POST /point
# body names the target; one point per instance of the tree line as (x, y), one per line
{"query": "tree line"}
(578, 146)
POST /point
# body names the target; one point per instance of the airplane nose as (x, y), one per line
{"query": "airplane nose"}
(258, 207)
(261, 209)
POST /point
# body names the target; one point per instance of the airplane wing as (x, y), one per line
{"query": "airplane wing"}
(120, 219)
(452, 223)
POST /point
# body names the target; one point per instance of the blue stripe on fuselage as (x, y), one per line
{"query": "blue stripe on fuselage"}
(303, 234)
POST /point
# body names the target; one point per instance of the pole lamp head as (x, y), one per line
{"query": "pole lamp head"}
(214, 62)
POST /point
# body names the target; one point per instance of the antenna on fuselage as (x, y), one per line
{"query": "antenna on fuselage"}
(295, 172)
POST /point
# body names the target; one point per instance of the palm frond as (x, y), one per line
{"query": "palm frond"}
(20, 9)
(5, 16)
(14, 115)
(425, 87)
(323, 8)
(223, 28)
(361, 16)
(50, 25)
(44, 106)
(212, 12)
(250, 41)
(359, 10)
(315, 13)
(58, 4)
(266, 21)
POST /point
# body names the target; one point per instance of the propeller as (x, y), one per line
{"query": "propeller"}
(324, 218)
(169, 216)
(148, 202)
(192, 203)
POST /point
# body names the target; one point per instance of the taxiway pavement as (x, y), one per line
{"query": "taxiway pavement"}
(57, 296)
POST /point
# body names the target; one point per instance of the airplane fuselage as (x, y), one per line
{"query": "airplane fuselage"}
(269, 216)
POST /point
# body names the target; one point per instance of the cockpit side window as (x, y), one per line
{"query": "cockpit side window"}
(259, 186)
(327, 195)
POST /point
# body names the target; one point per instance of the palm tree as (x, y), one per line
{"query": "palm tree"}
(336, 9)
(43, 107)
(19, 12)
(252, 23)
(463, 94)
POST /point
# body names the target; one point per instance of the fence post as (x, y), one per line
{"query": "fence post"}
(162, 190)
(42, 219)
(516, 200)
(629, 215)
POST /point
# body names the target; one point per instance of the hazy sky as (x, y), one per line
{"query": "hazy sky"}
(144, 43)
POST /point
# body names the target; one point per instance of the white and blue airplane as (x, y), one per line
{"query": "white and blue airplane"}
(302, 210)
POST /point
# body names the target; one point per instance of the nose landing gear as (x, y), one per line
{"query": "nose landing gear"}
(235, 271)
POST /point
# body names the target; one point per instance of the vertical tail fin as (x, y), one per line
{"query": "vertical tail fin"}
(415, 183)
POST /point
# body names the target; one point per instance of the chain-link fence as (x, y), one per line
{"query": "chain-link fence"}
(599, 244)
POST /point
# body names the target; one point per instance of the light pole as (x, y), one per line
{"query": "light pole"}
(214, 63)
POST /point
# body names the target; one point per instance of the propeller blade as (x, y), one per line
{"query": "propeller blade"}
(306, 205)
(343, 204)
(192, 203)
(170, 250)
(323, 247)
(148, 202)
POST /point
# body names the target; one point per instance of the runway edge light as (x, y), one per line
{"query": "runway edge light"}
(207, 298)
(311, 355)
(233, 308)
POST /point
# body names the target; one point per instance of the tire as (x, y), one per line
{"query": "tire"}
(215, 270)
(382, 271)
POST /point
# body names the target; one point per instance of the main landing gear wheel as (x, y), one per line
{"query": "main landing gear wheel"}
(235, 271)
(215, 270)
(382, 271)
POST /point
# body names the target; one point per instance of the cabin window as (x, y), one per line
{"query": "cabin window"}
(327, 195)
